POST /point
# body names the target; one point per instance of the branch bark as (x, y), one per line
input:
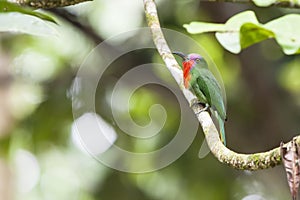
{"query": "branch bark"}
(260, 3)
(235, 160)
(47, 4)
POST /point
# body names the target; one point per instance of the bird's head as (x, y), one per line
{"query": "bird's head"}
(188, 63)
(191, 60)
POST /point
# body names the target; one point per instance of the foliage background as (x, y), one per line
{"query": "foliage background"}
(39, 159)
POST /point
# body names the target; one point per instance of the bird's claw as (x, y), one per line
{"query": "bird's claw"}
(203, 109)
(205, 105)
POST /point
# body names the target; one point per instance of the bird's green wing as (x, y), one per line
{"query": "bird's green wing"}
(199, 93)
(211, 90)
(205, 84)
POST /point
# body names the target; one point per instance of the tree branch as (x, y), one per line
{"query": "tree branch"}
(46, 4)
(82, 26)
(262, 3)
(73, 20)
(235, 160)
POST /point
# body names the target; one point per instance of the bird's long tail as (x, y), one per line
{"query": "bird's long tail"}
(222, 128)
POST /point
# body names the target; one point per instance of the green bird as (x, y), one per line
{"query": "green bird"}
(201, 82)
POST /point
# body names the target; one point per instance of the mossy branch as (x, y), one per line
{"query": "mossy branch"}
(47, 4)
(235, 160)
(263, 3)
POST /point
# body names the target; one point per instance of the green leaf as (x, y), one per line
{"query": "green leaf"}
(252, 33)
(17, 22)
(227, 34)
(244, 30)
(11, 7)
(202, 27)
(264, 3)
(14, 18)
(230, 39)
(287, 32)
(235, 22)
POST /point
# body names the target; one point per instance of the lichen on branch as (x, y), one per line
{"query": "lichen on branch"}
(47, 4)
(264, 3)
(233, 159)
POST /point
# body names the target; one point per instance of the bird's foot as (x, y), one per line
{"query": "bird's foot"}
(206, 106)
(196, 105)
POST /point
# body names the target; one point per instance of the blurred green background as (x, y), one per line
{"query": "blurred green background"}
(39, 158)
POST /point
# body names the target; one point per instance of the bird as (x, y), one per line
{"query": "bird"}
(203, 84)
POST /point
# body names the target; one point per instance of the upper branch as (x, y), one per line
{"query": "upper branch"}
(255, 161)
(46, 4)
(261, 3)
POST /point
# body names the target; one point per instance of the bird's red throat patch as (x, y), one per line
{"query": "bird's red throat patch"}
(187, 66)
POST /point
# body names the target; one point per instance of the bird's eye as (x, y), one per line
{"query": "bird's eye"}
(198, 60)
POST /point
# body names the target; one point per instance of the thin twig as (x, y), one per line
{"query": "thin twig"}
(82, 26)
(262, 3)
(235, 160)
(47, 4)
(73, 20)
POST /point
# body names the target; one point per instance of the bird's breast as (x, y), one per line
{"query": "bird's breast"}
(187, 66)
(187, 80)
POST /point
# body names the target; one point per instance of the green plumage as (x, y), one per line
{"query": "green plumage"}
(199, 79)
(207, 89)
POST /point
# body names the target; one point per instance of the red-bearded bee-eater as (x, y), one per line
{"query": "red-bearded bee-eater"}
(201, 82)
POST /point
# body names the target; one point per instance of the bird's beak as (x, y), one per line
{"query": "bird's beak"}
(179, 54)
